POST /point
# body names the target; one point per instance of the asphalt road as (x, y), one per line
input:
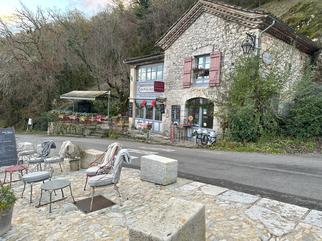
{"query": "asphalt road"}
(287, 178)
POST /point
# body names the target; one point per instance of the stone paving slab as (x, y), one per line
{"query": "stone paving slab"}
(289, 211)
(279, 218)
(230, 215)
(274, 222)
(238, 197)
(314, 217)
(212, 190)
(192, 186)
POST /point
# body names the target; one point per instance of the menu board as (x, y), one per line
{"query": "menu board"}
(130, 110)
(8, 151)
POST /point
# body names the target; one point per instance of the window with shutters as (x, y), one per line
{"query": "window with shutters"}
(201, 69)
(150, 72)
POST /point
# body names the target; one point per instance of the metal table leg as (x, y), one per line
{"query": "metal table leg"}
(30, 192)
(50, 200)
(40, 197)
(10, 180)
(24, 187)
(5, 176)
(71, 193)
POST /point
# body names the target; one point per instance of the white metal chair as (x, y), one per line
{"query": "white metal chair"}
(106, 164)
(67, 149)
(112, 178)
(38, 157)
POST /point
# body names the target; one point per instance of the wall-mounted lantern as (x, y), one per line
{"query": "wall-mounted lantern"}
(249, 43)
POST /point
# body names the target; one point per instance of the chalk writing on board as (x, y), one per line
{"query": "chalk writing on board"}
(8, 150)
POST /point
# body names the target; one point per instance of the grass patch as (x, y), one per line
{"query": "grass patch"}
(272, 146)
(112, 134)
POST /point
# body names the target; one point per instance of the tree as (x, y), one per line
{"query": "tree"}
(305, 114)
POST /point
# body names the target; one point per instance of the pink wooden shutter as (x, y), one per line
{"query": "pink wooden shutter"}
(214, 71)
(186, 78)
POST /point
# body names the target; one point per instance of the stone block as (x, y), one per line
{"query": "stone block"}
(89, 156)
(158, 169)
(176, 220)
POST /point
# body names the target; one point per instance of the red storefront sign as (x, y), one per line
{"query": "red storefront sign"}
(158, 86)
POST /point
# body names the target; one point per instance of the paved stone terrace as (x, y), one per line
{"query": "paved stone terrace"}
(230, 215)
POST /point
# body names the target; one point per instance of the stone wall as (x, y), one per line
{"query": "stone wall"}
(133, 81)
(206, 34)
(210, 33)
(287, 59)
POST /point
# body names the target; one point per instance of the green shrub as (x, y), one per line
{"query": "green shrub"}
(41, 123)
(276, 145)
(250, 108)
(305, 114)
(7, 198)
(242, 124)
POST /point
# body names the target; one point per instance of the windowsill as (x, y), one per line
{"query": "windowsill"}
(200, 84)
(148, 81)
(149, 120)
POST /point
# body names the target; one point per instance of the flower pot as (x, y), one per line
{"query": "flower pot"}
(5, 221)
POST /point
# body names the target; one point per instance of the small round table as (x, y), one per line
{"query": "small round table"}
(52, 186)
(12, 169)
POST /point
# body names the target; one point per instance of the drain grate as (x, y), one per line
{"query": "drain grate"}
(99, 203)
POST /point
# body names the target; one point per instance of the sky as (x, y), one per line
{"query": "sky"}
(89, 7)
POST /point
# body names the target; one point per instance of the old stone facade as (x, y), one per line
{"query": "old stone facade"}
(206, 34)
(215, 28)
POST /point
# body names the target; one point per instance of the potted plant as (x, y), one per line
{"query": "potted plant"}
(7, 200)
(201, 71)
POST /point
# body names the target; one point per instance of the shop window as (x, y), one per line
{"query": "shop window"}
(158, 112)
(149, 112)
(175, 113)
(139, 113)
(202, 112)
(150, 72)
(201, 70)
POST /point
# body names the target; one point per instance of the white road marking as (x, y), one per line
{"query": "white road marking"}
(158, 149)
(142, 152)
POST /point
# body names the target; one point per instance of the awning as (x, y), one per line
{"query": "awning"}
(85, 95)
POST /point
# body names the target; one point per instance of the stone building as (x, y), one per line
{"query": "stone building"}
(180, 85)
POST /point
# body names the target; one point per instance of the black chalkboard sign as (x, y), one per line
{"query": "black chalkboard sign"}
(130, 111)
(8, 151)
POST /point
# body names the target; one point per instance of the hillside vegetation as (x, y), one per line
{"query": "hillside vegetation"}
(305, 16)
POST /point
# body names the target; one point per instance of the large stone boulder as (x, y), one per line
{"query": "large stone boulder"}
(89, 156)
(158, 169)
(177, 220)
